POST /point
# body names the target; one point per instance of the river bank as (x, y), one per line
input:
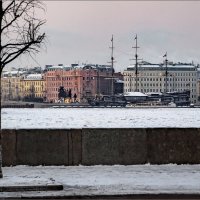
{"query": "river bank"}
(21, 104)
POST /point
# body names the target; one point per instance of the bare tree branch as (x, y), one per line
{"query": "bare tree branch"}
(16, 13)
(20, 51)
(20, 31)
(9, 5)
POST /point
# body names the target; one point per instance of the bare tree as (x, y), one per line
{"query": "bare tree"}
(20, 32)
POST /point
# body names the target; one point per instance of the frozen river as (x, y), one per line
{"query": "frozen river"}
(99, 117)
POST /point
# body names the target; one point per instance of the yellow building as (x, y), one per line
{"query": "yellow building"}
(33, 87)
(10, 86)
(17, 85)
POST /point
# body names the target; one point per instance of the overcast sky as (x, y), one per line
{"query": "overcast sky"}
(81, 31)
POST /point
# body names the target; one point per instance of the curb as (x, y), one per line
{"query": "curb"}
(31, 188)
(125, 196)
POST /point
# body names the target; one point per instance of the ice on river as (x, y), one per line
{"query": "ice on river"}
(99, 117)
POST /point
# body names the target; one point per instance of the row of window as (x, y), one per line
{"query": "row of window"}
(53, 73)
(186, 85)
(57, 84)
(35, 83)
(69, 78)
(160, 79)
(59, 78)
(33, 89)
(38, 95)
(162, 73)
(53, 84)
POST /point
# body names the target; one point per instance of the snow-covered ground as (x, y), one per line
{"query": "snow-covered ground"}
(99, 117)
(104, 180)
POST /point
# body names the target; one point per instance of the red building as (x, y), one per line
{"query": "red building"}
(85, 81)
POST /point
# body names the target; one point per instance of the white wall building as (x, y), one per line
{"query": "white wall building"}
(152, 78)
(198, 85)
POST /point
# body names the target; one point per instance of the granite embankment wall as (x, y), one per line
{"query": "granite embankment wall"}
(101, 146)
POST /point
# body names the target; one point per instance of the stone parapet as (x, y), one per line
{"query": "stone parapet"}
(105, 146)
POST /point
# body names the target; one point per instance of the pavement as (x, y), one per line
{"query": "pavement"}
(101, 182)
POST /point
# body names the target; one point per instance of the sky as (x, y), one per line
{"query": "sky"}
(81, 31)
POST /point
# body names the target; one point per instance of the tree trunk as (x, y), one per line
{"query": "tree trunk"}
(28, 40)
(1, 174)
(1, 69)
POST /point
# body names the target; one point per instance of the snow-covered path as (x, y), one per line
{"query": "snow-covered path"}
(133, 179)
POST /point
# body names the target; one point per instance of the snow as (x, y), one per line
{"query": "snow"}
(135, 94)
(154, 93)
(56, 67)
(119, 81)
(34, 76)
(14, 72)
(104, 180)
(12, 118)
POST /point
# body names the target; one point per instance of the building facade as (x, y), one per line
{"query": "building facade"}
(10, 85)
(19, 84)
(85, 81)
(152, 78)
(198, 85)
(32, 87)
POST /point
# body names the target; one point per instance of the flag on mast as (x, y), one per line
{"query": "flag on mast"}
(136, 37)
(112, 38)
(165, 55)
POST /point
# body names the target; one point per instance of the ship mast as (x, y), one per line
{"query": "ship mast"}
(136, 63)
(166, 72)
(112, 67)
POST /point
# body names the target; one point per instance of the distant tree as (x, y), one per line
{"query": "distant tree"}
(70, 93)
(75, 97)
(19, 32)
(62, 92)
(67, 93)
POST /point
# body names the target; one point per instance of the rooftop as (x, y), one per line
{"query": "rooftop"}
(13, 72)
(34, 77)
